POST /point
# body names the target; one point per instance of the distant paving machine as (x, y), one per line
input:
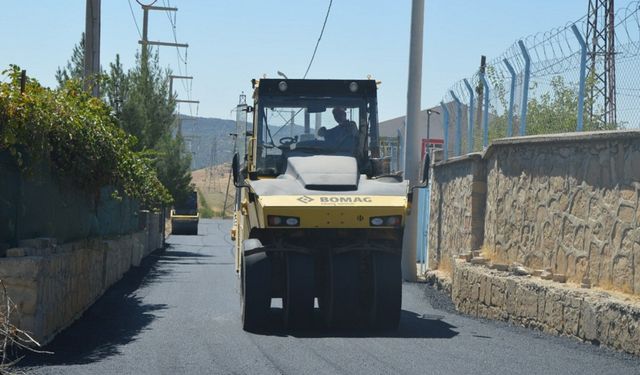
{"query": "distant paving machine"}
(185, 216)
(317, 217)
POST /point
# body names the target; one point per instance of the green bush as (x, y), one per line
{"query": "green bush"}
(78, 134)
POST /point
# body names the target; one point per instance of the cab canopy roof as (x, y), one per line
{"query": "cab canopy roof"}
(319, 88)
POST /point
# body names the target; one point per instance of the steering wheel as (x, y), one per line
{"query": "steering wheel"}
(287, 141)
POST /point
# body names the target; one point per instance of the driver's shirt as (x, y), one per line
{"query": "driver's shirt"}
(344, 136)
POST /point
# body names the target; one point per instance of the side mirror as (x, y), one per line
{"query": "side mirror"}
(235, 165)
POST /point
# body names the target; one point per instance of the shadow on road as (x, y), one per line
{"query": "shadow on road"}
(412, 325)
(115, 319)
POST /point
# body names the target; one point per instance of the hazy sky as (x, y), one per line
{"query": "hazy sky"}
(231, 42)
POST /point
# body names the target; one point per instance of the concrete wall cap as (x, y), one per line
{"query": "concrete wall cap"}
(596, 136)
(474, 156)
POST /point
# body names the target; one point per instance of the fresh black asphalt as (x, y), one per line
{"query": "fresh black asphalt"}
(178, 313)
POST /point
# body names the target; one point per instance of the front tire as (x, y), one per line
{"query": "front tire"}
(256, 291)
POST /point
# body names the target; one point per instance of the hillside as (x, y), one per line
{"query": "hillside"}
(208, 140)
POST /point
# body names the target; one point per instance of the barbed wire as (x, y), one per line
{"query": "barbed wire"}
(552, 92)
(557, 50)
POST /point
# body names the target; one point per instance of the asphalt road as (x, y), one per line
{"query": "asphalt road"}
(179, 314)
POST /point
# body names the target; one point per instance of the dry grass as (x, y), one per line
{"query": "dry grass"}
(212, 183)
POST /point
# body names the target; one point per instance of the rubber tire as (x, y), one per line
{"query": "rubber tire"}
(298, 299)
(387, 290)
(256, 291)
(341, 303)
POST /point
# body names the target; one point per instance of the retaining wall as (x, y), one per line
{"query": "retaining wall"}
(53, 284)
(566, 204)
(458, 195)
(547, 306)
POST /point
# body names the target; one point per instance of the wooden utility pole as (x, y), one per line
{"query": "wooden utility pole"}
(145, 28)
(145, 42)
(171, 78)
(479, 92)
(92, 47)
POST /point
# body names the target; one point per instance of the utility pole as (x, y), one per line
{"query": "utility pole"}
(92, 47)
(429, 113)
(171, 78)
(145, 29)
(145, 42)
(479, 92)
(412, 139)
(602, 61)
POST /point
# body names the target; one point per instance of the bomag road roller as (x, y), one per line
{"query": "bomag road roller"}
(185, 216)
(317, 213)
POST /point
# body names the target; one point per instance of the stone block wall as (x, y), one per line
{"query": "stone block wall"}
(53, 284)
(456, 209)
(547, 306)
(569, 203)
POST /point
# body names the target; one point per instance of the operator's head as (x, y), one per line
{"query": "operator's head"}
(339, 114)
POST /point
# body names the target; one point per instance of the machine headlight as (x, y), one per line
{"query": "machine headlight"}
(393, 221)
(353, 87)
(274, 220)
(283, 221)
(282, 85)
(292, 221)
(386, 221)
(377, 221)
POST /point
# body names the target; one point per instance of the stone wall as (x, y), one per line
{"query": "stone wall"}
(567, 203)
(567, 208)
(456, 209)
(547, 306)
(53, 284)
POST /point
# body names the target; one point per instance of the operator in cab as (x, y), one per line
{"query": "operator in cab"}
(344, 136)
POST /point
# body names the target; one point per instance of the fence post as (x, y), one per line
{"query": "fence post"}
(485, 112)
(525, 88)
(470, 122)
(583, 68)
(23, 81)
(458, 125)
(445, 145)
(511, 97)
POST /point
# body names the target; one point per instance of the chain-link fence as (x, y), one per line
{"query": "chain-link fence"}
(551, 82)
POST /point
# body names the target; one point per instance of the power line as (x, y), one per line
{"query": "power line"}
(189, 88)
(326, 17)
(134, 19)
(146, 5)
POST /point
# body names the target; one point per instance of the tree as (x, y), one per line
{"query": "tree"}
(172, 167)
(141, 103)
(116, 86)
(148, 109)
(75, 65)
(553, 111)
